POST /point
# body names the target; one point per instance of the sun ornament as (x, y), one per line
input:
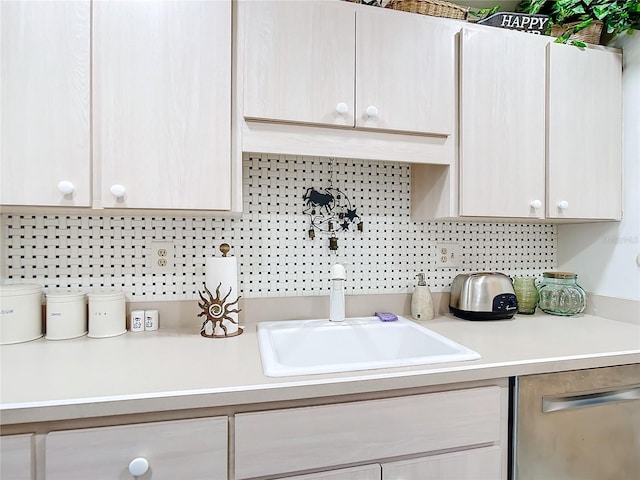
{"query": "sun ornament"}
(216, 311)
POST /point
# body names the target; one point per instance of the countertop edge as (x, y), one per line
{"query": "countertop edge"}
(384, 383)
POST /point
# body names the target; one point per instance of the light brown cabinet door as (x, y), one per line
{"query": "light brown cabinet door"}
(405, 73)
(502, 124)
(45, 118)
(367, 472)
(190, 449)
(328, 63)
(162, 104)
(341, 434)
(16, 457)
(476, 464)
(299, 61)
(584, 163)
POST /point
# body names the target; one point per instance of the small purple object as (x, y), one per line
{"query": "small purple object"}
(386, 317)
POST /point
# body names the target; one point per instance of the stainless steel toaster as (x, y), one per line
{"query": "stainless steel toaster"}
(483, 296)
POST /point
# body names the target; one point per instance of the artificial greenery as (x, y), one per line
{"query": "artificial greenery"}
(483, 12)
(617, 16)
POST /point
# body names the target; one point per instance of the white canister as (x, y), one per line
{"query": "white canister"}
(107, 314)
(66, 315)
(20, 313)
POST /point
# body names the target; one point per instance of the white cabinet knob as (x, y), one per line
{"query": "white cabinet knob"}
(563, 205)
(536, 204)
(342, 108)
(117, 190)
(66, 187)
(138, 466)
(372, 111)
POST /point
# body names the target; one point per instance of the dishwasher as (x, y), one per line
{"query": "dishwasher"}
(578, 425)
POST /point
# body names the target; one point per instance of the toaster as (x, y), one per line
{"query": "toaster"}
(483, 296)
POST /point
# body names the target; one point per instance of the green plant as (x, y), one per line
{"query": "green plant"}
(617, 16)
(483, 12)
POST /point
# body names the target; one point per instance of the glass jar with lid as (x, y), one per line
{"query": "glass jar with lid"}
(560, 294)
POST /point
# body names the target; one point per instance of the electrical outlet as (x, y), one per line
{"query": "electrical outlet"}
(448, 255)
(161, 257)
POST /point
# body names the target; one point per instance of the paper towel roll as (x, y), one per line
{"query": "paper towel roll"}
(221, 278)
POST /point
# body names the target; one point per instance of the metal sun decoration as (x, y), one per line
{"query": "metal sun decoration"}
(330, 211)
(216, 310)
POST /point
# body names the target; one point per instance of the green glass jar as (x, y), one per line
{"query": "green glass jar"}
(560, 294)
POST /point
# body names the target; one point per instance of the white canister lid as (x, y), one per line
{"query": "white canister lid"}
(105, 296)
(20, 289)
(61, 297)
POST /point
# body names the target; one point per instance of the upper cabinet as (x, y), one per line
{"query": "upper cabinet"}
(540, 133)
(145, 85)
(339, 79)
(324, 63)
(299, 62)
(405, 73)
(162, 100)
(45, 103)
(128, 105)
(584, 118)
(502, 124)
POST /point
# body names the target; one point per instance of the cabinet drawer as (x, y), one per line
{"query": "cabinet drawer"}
(479, 463)
(367, 472)
(319, 437)
(193, 449)
(16, 457)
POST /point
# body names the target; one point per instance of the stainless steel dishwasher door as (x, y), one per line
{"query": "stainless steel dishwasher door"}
(578, 425)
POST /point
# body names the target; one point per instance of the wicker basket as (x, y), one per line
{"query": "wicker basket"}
(435, 8)
(591, 34)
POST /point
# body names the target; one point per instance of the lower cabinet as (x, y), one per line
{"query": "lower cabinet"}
(478, 463)
(458, 434)
(185, 449)
(281, 443)
(16, 457)
(366, 472)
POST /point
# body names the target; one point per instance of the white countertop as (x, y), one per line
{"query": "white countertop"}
(46, 380)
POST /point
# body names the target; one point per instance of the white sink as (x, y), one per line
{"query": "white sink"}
(305, 347)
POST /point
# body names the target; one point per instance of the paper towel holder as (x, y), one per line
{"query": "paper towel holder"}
(216, 311)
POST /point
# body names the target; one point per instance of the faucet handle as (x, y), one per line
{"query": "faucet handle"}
(338, 272)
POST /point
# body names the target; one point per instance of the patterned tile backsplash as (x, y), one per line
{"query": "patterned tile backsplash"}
(275, 255)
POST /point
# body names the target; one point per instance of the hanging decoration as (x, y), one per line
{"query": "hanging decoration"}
(330, 211)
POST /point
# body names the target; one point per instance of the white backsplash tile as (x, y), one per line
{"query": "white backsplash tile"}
(275, 256)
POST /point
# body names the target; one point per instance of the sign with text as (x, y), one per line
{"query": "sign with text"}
(524, 22)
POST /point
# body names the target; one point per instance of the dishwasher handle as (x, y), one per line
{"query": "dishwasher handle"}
(554, 403)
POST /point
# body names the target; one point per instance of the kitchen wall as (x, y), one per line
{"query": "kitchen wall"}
(275, 255)
(604, 254)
